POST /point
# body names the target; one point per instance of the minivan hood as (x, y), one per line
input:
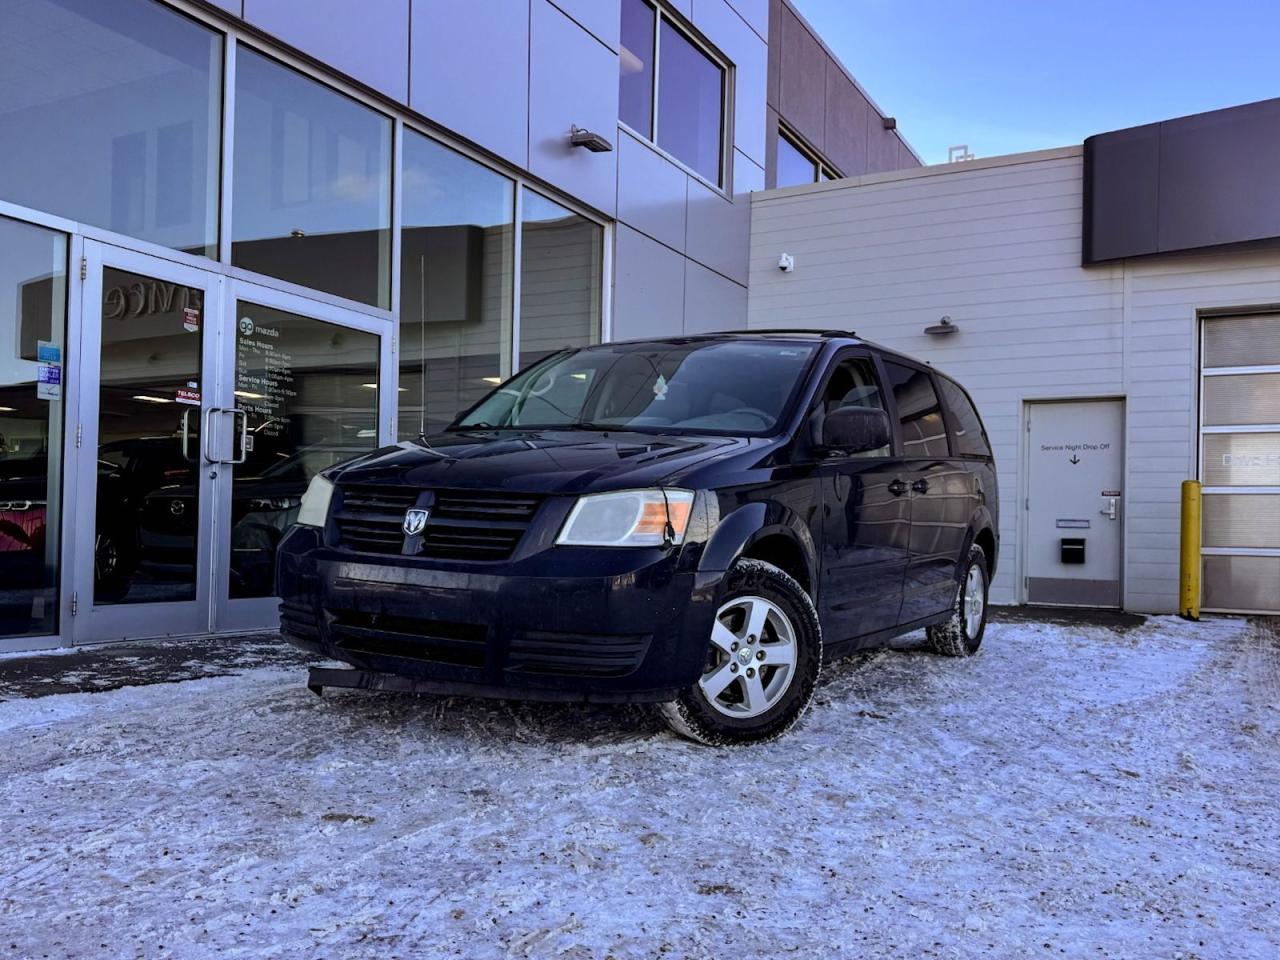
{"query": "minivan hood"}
(550, 461)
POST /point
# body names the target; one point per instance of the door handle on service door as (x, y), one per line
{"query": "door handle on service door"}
(1109, 510)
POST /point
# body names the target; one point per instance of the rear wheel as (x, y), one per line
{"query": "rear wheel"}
(762, 661)
(961, 635)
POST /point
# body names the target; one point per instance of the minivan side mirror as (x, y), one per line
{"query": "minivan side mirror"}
(855, 429)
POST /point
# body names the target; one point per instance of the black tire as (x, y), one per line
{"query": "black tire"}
(113, 564)
(957, 637)
(695, 716)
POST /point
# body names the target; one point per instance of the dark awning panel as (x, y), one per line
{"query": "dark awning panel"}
(1208, 180)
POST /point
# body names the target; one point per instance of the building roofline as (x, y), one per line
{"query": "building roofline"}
(914, 173)
(852, 79)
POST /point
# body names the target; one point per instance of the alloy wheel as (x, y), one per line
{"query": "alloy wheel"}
(973, 601)
(106, 556)
(752, 659)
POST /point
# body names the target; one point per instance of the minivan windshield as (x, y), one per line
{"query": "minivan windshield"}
(736, 387)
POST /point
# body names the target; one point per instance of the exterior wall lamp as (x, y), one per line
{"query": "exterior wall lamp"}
(942, 328)
(581, 137)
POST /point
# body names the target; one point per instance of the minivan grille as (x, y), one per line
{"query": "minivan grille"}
(371, 517)
(463, 524)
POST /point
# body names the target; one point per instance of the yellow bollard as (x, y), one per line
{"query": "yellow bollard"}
(1189, 600)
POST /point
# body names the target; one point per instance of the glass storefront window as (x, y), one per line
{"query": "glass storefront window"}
(33, 308)
(310, 390)
(561, 275)
(113, 120)
(311, 187)
(458, 251)
(635, 66)
(793, 166)
(690, 103)
(667, 80)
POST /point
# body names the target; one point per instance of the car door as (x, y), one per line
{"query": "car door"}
(940, 491)
(865, 512)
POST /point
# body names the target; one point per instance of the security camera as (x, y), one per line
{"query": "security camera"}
(786, 263)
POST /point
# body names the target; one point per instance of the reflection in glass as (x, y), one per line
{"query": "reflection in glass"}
(966, 426)
(113, 120)
(33, 309)
(794, 167)
(457, 260)
(1252, 398)
(635, 66)
(923, 434)
(312, 184)
(561, 274)
(148, 502)
(690, 103)
(310, 390)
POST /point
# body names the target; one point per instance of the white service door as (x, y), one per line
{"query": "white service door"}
(1075, 503)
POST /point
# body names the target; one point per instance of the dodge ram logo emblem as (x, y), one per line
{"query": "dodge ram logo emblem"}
(414, 521)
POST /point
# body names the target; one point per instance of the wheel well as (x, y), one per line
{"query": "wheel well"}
(785, 554)
(987, 541)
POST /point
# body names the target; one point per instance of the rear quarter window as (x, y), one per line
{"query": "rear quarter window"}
(967, 435)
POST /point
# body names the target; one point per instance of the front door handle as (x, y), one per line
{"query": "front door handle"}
(921, 486)
(897, 488)
(237, 415)
(1110, 509)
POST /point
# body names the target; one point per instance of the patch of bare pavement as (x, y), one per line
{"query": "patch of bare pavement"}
(110, 666)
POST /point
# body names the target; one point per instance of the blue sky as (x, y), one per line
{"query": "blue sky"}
(1005, 76)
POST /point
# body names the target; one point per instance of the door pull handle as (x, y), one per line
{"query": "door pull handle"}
(1110, 510)
(920, 486)
(897, 488)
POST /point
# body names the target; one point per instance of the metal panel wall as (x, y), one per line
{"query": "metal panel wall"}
(368, 41)
(470, 71)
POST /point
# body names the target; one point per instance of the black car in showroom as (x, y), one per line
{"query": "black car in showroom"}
(697, 522)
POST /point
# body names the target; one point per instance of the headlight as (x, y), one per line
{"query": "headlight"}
(315, 503)
(629, 518)
(273, 504)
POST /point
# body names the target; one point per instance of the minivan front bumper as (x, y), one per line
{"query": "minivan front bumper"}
(594, 624)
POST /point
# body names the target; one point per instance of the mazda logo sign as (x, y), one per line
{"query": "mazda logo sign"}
(415, 521)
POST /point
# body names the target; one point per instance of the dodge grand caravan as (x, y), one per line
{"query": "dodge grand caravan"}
(696, 522)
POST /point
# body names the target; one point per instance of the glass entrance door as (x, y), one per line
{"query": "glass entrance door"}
(303, 380)
(145, 426)
(207, 404)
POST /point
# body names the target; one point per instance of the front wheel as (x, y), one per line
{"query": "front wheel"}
(762, 661)
(961, 635)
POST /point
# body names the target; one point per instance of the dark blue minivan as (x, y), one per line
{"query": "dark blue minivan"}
(697, 522)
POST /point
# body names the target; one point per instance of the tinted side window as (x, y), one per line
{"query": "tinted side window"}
(923, 434)
(854, 383)
(968, 435)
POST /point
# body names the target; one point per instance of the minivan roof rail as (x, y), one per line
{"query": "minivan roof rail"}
(814, 331)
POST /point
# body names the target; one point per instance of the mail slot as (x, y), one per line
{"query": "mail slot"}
(1072, 550)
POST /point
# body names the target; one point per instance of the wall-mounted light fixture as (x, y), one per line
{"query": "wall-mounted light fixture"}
(581, 137)
(942, 328)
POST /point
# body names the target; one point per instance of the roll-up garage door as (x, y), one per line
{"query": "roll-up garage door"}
(1240, 463)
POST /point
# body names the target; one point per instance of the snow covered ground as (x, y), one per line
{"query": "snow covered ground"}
(1072, 791)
